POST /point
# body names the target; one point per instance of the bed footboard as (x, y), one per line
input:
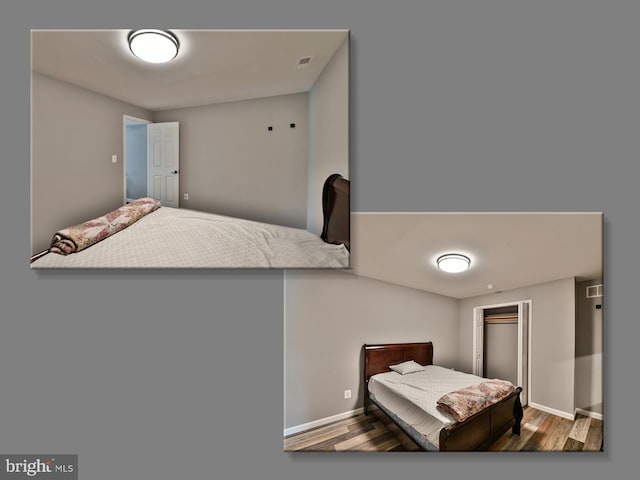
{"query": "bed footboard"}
(485, 427)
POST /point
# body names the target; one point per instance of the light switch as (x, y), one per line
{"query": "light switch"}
(114, 159)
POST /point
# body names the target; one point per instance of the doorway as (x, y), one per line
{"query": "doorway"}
(502, 343)
(151, 162)
(135, 158)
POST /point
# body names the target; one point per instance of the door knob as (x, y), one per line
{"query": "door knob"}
(175, 171)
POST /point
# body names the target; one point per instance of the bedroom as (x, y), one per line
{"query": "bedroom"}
(542, 263)
(262, 120)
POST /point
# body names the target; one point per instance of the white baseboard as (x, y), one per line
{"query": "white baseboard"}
(589, 413)
(322, 422)
(552, 411)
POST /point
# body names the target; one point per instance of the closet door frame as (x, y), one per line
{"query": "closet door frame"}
(524, 329)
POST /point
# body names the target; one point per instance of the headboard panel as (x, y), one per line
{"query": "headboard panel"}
(377, 358)
(336, 210)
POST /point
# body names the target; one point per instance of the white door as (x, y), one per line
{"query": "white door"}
(164, 163)
(523, 350)
(478, 341)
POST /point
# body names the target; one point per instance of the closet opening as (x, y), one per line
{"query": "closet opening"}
(501, 343)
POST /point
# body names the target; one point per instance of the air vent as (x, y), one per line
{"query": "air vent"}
(594, 291)
(303, 62)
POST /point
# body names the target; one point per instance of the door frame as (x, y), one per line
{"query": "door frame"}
(479, 342)
(124, 151)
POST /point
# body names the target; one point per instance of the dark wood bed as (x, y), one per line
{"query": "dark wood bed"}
(476, 432)
(336, 210)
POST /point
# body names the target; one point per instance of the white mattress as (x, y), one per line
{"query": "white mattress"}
(181, 238)
(413, 397)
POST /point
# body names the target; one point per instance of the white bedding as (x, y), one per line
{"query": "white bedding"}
(181, 238)
(413, 397)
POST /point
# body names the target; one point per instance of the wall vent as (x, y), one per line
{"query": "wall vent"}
(303, 62)
(594, 291)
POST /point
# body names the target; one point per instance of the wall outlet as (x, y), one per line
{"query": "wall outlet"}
(114, 158)
(347, 394)
(186, 196)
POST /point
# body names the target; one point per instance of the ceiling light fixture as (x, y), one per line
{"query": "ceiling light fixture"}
(153, 46)
(453, 262)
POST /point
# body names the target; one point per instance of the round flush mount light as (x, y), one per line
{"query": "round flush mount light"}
(153, 46)
(453, 262)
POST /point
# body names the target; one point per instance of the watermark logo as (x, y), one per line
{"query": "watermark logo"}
(46, 467)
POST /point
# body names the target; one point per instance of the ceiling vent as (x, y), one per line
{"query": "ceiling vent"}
(594, 291)
(303, 62)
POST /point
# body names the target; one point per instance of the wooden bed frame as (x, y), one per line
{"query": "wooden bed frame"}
(336, 210)
(476, 432)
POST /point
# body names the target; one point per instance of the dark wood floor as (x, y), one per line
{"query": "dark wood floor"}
(540, 432)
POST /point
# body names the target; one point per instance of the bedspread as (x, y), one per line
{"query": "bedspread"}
(182, 238)
(423, 389)
(413, 398)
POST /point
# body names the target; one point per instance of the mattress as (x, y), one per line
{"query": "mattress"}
(182, 238)
(413, 398)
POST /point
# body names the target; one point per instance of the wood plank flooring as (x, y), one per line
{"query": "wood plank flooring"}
(540, 432)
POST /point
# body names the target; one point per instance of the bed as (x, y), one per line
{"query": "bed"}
(163, 237)
(415, 411)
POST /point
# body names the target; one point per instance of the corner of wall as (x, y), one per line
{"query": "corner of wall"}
(328, 150)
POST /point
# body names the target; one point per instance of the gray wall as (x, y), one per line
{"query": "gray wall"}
(329, 131)
(552, 339)
(588, 381)
(232, 165)
(330, 315)
(136, 160)
(74, 133)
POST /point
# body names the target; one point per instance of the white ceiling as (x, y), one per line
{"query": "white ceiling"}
(507, 250)
(212, 66)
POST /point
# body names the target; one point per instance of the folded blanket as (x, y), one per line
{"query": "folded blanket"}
(78, 237)
(467, 401)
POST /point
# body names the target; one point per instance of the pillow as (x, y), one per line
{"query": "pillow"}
(407, 367)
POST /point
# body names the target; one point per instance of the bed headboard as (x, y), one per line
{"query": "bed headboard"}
(377, 358)
(336, 210)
